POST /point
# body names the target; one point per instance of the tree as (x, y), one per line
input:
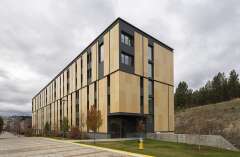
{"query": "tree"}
(233, 84)
(82, 123)
(1, 124)
(182, 95)
(65, 126)
(94, 119)
(46, 129)
(220, 91)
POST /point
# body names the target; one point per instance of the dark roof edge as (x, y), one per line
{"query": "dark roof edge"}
(105, 30)
(146, 34)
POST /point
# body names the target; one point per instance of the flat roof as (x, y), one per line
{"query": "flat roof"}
(105, 30)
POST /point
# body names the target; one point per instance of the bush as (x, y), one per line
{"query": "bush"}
(74, 133)
(28, 132)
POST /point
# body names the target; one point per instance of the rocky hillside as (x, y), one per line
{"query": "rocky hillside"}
(221, 119)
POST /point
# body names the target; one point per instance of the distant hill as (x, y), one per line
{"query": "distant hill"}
(221, 119)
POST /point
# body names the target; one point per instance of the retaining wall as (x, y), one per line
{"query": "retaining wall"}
(205, 140)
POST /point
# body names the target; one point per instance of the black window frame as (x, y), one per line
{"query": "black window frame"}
(126, 39)
(101, 53)
(127, 59)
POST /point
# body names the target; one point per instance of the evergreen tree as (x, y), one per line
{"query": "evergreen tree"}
(46, 129)
(182, 95)
(1, 124)
(233, 84)
(65, 126)
(216, 90)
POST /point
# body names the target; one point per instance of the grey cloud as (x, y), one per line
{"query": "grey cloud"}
(39, 38)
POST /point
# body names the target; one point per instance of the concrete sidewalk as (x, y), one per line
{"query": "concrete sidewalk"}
(14, 146)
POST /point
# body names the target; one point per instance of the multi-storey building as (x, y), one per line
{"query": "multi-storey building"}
(125, 72)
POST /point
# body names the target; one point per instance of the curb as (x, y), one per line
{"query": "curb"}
(102, 148)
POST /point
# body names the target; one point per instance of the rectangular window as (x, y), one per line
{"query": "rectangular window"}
(150, 53)
(150, 88)
(101, 53)
(76, 76)
(150, 70)
(127, 59)
(77, 108)
(68, 81)
(81, 71)
(150, 96)
(126, 39)
(108, 93)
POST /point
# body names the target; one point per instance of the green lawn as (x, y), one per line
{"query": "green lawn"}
(167, 149)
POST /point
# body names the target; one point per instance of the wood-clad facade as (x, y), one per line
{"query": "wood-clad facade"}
(125, 72)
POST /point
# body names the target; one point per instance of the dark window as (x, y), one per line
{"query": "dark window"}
(126, 39)
(77, 108)
(150, 53)
(150, 105)
(141, 95)
(141, 104)
(150, 96)
(81, 71)
(150, 70)
(95, 93)
(108, 93)
(54, 90)
(127, 59)
(101, 53)
(89, 66)
(68, 81)
(150, 88)
(76, 75)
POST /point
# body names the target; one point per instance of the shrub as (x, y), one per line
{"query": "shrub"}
(75, 133)
(28, 132)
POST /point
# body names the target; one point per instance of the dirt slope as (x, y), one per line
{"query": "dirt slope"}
(221, 119)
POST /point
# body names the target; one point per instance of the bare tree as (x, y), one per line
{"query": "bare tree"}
(94, 119)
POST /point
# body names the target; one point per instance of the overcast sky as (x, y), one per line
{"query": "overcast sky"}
(39, 38)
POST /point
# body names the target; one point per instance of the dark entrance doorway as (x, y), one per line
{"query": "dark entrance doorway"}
(121, 126)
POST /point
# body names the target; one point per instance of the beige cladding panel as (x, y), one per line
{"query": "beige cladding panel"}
(91, 94)
(57, 91)
(65, 103)
(62, 86)
(84, 105)
(160, 107)
(97, 60)
(163, 59)
(74, 109)
(145, 56)
(71, 78)
(65, 82)
(52, 115)
(114, 48)
(145, 95)
(138, 58)
(94, 62)
(106, 53)
(129, 93)
(171, 109)
(103, 104)
(114, 90)
(58, 114)
(78, 73)
(69, 110)
(84, 69)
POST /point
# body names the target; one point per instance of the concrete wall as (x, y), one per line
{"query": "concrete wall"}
(205, 140)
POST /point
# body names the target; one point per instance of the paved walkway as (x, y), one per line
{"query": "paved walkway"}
(13, 146)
